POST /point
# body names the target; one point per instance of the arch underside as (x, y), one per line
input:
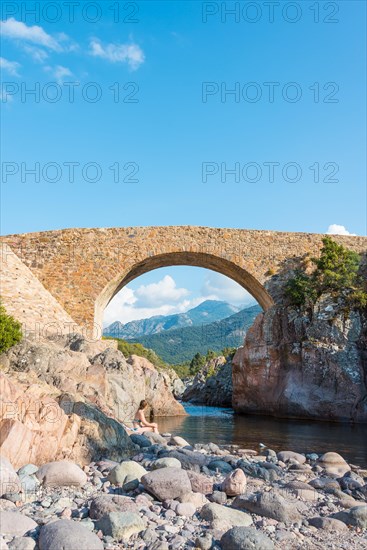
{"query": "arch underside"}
(194, 259)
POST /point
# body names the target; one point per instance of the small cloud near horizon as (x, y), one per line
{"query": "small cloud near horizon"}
(335, 229)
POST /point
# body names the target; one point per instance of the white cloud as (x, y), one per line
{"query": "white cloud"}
(159, 294)
(335, 229)
(125, 307)
(165, 298)
(218, 287)
(38, 54)
(34, 40)
(131, 54)
(9, 66)
(59, 72)
(11, 28)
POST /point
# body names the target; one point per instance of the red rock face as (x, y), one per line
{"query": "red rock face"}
(298, 366)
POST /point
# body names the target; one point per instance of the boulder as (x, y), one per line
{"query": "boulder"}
(120, 525)
(130, 484)
(9, 480)
(29, 484)
(190, 460)
(167, 483)
(220, 466)
(131, 468)
(271, 505)
(186, 509)
(15, 524)
(285, 456)
(7, 504)
(104, 504)
(61, 473)
(197, 499)
(66, 534)
(334, 464)
(234, 483)
(141, 440)
(22, 543)
(204, 542)
(200, 483)
(219, 497)
(327, 484)
(179, 441)
(166, 462)
(301, 490)
(246, 538)
(358, 516)
(328, 524)
(27, 470)
(36, 429)
(155, 439)
(212, 512)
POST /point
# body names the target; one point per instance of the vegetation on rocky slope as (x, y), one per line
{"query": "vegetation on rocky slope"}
(338, 271)
(132, 348)
(10, 330)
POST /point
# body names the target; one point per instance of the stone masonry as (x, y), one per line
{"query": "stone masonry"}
(24, 297)
(83, 269)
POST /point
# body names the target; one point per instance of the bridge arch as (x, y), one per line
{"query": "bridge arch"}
(193, 259)
(83, 268)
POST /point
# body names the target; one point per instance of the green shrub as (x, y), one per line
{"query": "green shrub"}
(358, 298)
(210, 354)
(197, 363)
(228, 352)
(211, 371)
(133, 348)
(10, 330)
(300, 289)
(337, 271)
(182, 370)
(337, 268)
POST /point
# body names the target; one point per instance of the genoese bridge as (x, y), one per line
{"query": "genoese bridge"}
(81, 270)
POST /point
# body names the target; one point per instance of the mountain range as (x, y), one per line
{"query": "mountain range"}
(181, 344)
(207, 312)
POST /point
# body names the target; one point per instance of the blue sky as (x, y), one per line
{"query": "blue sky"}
(170, 136)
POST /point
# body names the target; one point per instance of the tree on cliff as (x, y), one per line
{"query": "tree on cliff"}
(197, 363)
(337, 270)
(10, 330)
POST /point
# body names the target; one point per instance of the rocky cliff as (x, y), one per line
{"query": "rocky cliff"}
(212, 385)
(65, 397)
(304, 364)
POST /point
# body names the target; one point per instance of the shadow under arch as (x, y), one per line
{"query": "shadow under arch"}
(193, 259)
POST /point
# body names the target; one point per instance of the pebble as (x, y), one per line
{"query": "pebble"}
(168, 506)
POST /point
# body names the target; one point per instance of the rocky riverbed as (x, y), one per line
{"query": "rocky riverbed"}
(171, 495)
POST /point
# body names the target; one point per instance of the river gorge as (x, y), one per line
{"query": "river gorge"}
(284, 468)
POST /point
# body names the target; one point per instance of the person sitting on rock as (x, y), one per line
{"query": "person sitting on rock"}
(140, 422)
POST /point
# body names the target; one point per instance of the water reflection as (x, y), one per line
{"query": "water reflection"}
(221, 426)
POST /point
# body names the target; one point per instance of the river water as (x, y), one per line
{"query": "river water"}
(222, 426)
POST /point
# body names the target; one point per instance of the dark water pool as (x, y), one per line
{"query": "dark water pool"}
(222, 426)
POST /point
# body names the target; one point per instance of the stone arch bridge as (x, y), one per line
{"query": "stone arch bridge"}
(83, 269)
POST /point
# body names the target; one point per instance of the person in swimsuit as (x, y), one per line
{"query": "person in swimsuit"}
(141, 422)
